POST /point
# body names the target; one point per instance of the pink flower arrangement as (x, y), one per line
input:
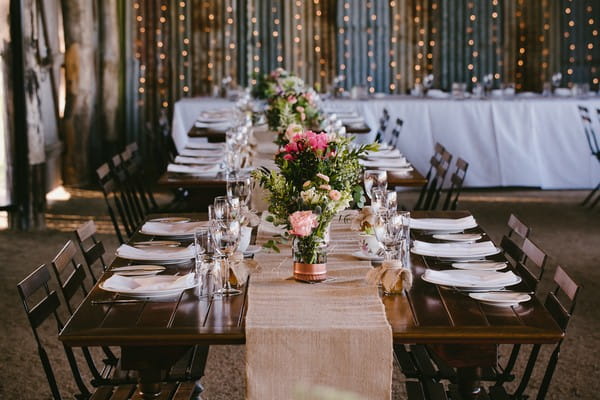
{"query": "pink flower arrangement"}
(335, 195)
(303, 223)
(316, 142)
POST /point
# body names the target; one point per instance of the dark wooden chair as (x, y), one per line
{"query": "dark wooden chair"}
(517, 227)
(71, 277)
(456, 183)
(133, 165)
(133, 204)
(116, 204)
(594, 147)
(394, 136)
(560, 303)
(383, 125)
(92, 249)
(36, 285)
(439, 165)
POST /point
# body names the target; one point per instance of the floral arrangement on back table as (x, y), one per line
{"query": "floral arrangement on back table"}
(289, 100)
(319, 176)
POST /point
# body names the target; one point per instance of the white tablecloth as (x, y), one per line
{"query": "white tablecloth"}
(534, 142)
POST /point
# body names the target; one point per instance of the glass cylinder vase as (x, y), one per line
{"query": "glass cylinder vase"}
(310, 259)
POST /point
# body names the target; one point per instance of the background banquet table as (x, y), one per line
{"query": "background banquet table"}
(535, 142)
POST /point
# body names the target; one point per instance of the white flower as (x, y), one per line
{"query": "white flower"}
(292, 130)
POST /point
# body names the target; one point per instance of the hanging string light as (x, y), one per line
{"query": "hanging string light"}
(138, 50)
(184, 45)
(372, 66)
(396, 76)
(471, 48)
(497, 46)
(592, 36)
(254, 53)
(318, 44)
(544, 39)
(344, 33)
(569, 36)
(298, 36)
(432, 35)
(521, 43)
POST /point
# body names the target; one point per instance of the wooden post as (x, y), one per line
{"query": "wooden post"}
(110, 61)
(80, 71)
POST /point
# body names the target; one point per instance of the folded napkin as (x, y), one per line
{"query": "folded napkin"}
(209, 170)
(194, 160)
(203, 144)
(238, 273)
(352, 120)
(437, 94)
(386, 163)
(401, 171)
(215, 126)
(563, 92)
(455, 249)
(216, 152)
(215, 115)
(443, 224)
(178, 229)
(149, 283)
(471, 278)
(155, 253)
(385, 153)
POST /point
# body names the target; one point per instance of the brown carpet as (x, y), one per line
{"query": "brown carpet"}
(569, 233)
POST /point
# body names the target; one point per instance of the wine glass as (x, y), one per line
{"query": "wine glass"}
(374, 178)
(240, 187)
(223, 205)
(388, 230)
(225, 234)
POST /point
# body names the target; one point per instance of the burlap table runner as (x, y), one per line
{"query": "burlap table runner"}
(333, 333)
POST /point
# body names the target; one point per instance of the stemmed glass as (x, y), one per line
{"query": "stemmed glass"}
(374, 178)
(391, 230)
(240, 187)
(225, 234)
(223, 205)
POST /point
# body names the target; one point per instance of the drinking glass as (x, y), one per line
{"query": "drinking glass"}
(391, 200)
(403, 249)
(378, 199)
(388, 230)
(225, 234)
(223, 205)
(239, 186)
(374, 178)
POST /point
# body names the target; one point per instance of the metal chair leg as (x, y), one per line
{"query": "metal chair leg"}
(590, 196)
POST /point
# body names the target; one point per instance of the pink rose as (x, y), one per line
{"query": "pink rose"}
(288, 157)
(306, 184)
(302, 222)
(335, 195)
(324, 177)
(300, 109)
(302, 116)
(292, 100)
(317, 141)
(291, 147)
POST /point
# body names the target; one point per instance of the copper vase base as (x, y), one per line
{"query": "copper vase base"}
(310, 272)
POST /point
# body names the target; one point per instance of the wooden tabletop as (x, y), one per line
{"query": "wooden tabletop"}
(427, 314)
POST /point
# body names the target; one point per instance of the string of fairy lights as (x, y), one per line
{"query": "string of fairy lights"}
(397, 55)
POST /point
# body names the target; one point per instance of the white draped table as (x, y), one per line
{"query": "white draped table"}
(534, 142)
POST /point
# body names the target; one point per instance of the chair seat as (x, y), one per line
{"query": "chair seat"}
(170, 391)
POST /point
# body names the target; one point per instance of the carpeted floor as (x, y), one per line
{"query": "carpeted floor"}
(569, 233)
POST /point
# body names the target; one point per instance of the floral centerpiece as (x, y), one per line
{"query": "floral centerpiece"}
(289, 101)
(319, 176)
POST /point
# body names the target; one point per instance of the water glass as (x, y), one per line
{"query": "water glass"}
(374, 178)
(224, 205)
(225, 234)
(239, 186)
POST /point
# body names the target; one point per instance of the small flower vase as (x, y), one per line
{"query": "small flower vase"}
(369, 245)
(310, 259)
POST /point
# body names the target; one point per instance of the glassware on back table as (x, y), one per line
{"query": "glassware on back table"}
(225, 234)
(388, 230)
(374, 178)
(239, 186)
(223, 205)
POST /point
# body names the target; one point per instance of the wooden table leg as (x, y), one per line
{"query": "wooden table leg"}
(152, 363)
(468, 381)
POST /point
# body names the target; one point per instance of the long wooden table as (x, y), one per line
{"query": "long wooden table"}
(466, 333)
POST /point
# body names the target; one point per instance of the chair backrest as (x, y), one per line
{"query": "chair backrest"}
(531, 267)
(512, 250)
(434, 162)
(517, 227)
(395, 134)
(38, 314)
(126, 187)
(69, 274)
(441, 168)
(590, 134)
(133, 166)
(456, 184)
(94, 252)
(560, 303)
(114, 203)
(383, 125)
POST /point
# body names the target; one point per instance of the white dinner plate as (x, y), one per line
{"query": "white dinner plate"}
(458, 257)
(481, 265)
(501, 299)
(138, 267)
(367, 257)
(148, 293)
(171, 220)
(458, 237)
(467, 286)
(160, 262)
